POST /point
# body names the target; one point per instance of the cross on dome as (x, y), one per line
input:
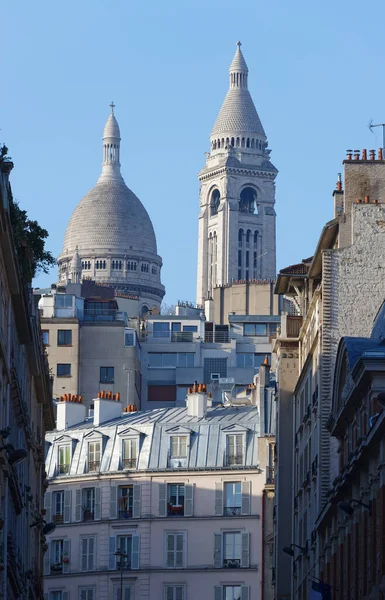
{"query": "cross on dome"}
(112, 107)
(239, 44)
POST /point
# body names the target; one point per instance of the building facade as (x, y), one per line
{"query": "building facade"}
(330, 292)
(91, 343)
(237, 194)
(25, 415)
(110, 237)
(164, 504)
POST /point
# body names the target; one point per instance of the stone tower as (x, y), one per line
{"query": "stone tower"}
(237, 194)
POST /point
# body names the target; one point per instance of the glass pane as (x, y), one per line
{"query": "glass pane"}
(249, 359)
(249, 329)
(261, 329)
(161, 330)
(169, 359)
(154, 360)
(193, 328)
(189, 359)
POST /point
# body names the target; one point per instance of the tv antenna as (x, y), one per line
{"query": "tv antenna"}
(372, 125)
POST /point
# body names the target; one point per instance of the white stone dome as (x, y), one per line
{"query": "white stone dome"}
(110, 218)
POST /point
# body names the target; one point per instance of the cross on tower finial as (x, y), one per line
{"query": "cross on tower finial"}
(112, 107)
(239, 44)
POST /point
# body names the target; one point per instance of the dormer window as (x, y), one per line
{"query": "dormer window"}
(93, 456)
(178, 446)
(130, 453)
(64, 459)
(234, 449)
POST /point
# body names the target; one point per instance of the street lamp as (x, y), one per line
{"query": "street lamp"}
(349, 509)
(290, 549)
(123, 556)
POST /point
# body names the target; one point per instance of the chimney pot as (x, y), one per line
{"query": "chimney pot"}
(380, 154)
(349, 154)
(364, 154)
(356, 155)
(375, 201)
(366, 199)
(372, 154)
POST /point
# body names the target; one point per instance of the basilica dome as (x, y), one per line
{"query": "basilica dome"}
(111, 233)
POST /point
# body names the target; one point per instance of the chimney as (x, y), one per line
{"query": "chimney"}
(106, 409)
(197, 401)
(69, 413)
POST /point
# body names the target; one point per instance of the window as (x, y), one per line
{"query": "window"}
(144, 267)
(249, 360)
(56, 595)
(63, 370)
(93, 456)
(232, 549)
(161, 330)
(129, 337)
(175, 499)
(173, 592)
(87, 546)
(88, 504)
(58, 507)
(234, 449)
(193, 328)
(87, 594)
(174, 550)
(124, 544)
(64, 459)
(248, 200)
(162, 393)
(131, 266)
(233, 499)
(171, 359)
(64, 337)
(154, 270)
(63, 300)
(214, 203)
(214, 365)
(106, 374)
(57, 556)
(126, 501)
(232, 592)
(255, 329)
(178, 446)
(45, 337)
(126, 593)
(129, 453)
(186, 359)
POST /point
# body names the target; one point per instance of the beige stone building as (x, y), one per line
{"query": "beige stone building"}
(25, 415)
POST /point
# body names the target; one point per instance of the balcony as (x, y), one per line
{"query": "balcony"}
(56, 569)
(93, 466)
(234, 459)
(104, 314)
(231, 563)
(88, 515)
(182, 336)
(125, 514)
(58, 519)
(217, 337)
(270, 475)
(63, 469)
(175, 510)
(129, 463)
(232, 511)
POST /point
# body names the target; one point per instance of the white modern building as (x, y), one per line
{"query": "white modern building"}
(110, 237)
(237, 194)
(166, 504)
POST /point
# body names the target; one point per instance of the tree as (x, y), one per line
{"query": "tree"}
(167, 309)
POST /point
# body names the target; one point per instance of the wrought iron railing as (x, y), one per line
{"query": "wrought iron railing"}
(93, 465)
(234, 459)
(175, 510)
(58, 518)
(63, 469)
(270, 476)
(231, 563)
(88, 515)
(232, 511)
(129, 463)
(125, 514)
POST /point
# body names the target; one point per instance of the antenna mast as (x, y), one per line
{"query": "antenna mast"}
(371, 125)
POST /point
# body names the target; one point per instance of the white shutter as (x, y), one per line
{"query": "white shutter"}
(218, 550)
(98, 505)
(78, 509)
(218, 498)
(84, 554)
(162, 499)
(47, 506)
(113, 502)
(47, 560)
(91, 546)
(65, 596)
(245, 592)
(67, 506)
(66, 553)
(245, 497)
(136, 501)
(179, 542)
(135, 552)
(112, 557)
(218, 592)
(188, 500)
(245, 558)
(170, 549)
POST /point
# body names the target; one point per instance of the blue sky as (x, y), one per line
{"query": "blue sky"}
(316, 76)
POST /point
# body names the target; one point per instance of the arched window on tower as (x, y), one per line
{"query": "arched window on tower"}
(232, 142)
(214, 202)
(247, 203)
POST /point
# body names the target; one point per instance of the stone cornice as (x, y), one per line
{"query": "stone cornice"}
(257, 171)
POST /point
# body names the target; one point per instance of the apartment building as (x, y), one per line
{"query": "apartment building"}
(25, 415)
(329, 291)
(166, 503)
(90, 342)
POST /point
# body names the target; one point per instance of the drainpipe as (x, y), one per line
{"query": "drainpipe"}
(263, 547)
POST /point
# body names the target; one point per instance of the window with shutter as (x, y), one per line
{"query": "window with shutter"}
(175, 499)
(246, 504)
(234, 449)
(188, 500)
(87, 594)
(57, 507)
(233, 499)
(136, 501)
(66, 556)
(88, 504)
(232, 549)
(126, 501)
(56, 562)
(67, 506)
(87, 546)
(232, 592)
(162, 508)
(218, 498)
(130, 453)
(174, 592)
(175, 550)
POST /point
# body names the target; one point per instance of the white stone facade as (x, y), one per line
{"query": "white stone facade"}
(237, 194)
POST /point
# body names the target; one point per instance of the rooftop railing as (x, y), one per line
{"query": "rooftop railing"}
(104, 314)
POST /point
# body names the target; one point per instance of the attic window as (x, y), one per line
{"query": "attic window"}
(178, 446)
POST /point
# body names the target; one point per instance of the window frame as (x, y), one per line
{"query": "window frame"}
(178, 508)
(43, 333)
(174, 586)
(175, 533)
(180, 439)
(94, 453)
(62, 467)
(243, 442)
(107, 378)
(130, 462)
(85, 508)
(63, 374)
(88, 554)
(234, 555)
(65, 332)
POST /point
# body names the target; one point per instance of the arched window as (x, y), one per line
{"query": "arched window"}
(214, 202)
(104, 264)
(232, 142)
(144, 309)
(237, 144)
(255, 239)
(248, 199)
(113, 264)
(243, 142)
(248, 236)
(240, 237)
(252, 143)
(97, 264)
(248, 143)
(227, 141)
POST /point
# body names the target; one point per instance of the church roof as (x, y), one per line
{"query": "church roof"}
(238, 114)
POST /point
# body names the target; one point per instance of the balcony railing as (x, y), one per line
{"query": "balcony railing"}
(104, 314)
(93, 466)
(56, 569)
(58, 519)
(217, 337)
(175, 510)
(232, 511)
(88, 515)
(231, 563)
(270, 478)
(129, 463)
(63, 469)
(234, 459)
(125, 514)
(181, 336)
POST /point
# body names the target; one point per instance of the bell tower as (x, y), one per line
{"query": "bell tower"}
(237, 194)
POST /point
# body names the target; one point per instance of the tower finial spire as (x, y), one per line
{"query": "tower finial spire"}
(239, 44)
(112, 107)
